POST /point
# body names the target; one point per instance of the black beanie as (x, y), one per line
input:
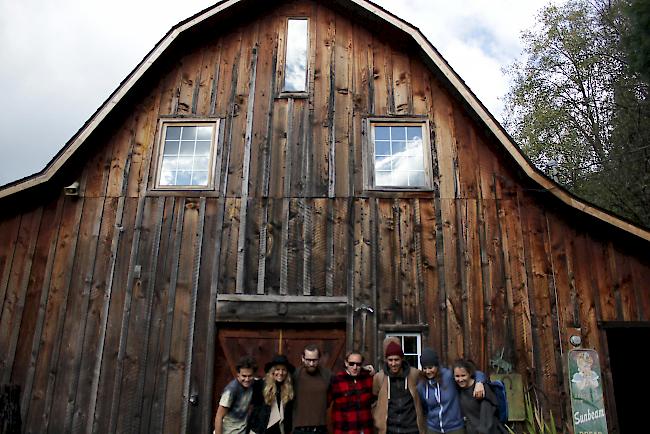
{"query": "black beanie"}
(429, 358)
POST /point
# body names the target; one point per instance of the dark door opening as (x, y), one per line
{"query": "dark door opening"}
(626, 344)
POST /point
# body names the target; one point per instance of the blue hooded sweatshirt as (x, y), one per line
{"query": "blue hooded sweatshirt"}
(440, 401)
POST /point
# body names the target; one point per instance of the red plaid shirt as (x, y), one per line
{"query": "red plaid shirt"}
(351, 398)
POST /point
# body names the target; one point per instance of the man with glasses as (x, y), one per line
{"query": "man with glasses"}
(310, 382)
(351, 397)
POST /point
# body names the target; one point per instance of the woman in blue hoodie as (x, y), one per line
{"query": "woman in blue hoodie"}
(439, 395)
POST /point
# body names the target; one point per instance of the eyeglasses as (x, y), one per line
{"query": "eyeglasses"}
(354, 363)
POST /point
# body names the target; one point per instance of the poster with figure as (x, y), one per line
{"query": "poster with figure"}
(585, 383)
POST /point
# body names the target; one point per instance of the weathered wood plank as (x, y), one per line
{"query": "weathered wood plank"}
(324, 27)
(267, 53)
(88, 247)
(388, 268)
(342, 166)
(230, 237)
(197, 240)
(319, 247)
(382, 103)
(515, 269)
(141, 280)
(241, 118)
(430, 274)
(14, 307)
(53, 219)
(151, 369)
(342, 243)
(8, 242)
(178, 363)
(243, 219)
(159, 422)
(401, 82)
(362, 82)
(107, 358)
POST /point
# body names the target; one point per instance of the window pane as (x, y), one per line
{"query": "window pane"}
(410, 345)
(167, 177)
(187, 147)
(383, 178)
(382, 163)
(169, 163)
(173, 133)
(204, 133)
(189, 133)
(295, 70)
(413, 163)
(412, 360)
(202, 148)
(185, 163)
(414, 133)
(416, 179)
(382, 147)
(398, 146)
(184, 177)
(398, 133)
(382, 133)
(171, 148)
(201, 163)
(200, 178)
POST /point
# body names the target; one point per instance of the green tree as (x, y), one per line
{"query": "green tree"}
(579, 111)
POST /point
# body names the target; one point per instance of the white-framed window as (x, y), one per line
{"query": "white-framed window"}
(296, 55)
(399, 154)
(186, 154)
(411, 346)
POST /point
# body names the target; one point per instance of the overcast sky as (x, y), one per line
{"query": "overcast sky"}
(60, 59)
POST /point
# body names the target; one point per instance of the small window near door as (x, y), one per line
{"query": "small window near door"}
(411, 345)
(398, 155)
(186, 155)
(295, 64)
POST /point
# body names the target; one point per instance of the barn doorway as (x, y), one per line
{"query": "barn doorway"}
(624, 344)
(263, 341)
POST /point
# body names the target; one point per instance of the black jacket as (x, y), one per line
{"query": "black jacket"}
(258, 419)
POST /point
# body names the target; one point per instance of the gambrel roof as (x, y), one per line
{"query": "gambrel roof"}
(374, 13)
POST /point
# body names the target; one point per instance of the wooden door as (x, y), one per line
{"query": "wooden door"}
(262, 342)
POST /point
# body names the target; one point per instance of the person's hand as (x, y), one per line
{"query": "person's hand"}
(370, 369)
(479, 390)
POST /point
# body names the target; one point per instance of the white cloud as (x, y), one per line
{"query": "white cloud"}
(60, 60)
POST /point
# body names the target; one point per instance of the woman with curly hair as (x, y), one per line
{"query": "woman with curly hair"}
(272, 399)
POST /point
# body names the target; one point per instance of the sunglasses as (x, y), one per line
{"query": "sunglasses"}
(354, 363)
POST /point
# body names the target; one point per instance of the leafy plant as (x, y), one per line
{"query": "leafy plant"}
(535, 422)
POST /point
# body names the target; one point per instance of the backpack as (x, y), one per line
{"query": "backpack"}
(502, 399)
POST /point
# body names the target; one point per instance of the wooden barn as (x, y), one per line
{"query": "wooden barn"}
(282, 172)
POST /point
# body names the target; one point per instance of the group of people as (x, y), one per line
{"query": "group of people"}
(396, 399)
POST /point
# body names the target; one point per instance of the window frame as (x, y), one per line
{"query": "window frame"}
(283, 64)
(401, 336)
(369, 182)
(163, 123)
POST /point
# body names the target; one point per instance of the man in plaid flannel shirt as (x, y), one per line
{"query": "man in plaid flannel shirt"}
(351, 397)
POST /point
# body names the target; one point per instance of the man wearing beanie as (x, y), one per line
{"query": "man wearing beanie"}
(439, 396)
(398, 408)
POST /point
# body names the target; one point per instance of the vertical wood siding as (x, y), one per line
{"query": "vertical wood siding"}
(107, 301)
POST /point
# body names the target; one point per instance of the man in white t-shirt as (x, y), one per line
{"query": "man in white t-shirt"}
(235, 399)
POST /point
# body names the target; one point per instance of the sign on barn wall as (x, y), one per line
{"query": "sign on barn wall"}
(587, 402)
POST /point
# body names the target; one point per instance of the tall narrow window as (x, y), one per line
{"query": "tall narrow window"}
(295, 65)
(186, 157)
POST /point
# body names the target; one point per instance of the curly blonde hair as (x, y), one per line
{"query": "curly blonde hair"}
(270, 388)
